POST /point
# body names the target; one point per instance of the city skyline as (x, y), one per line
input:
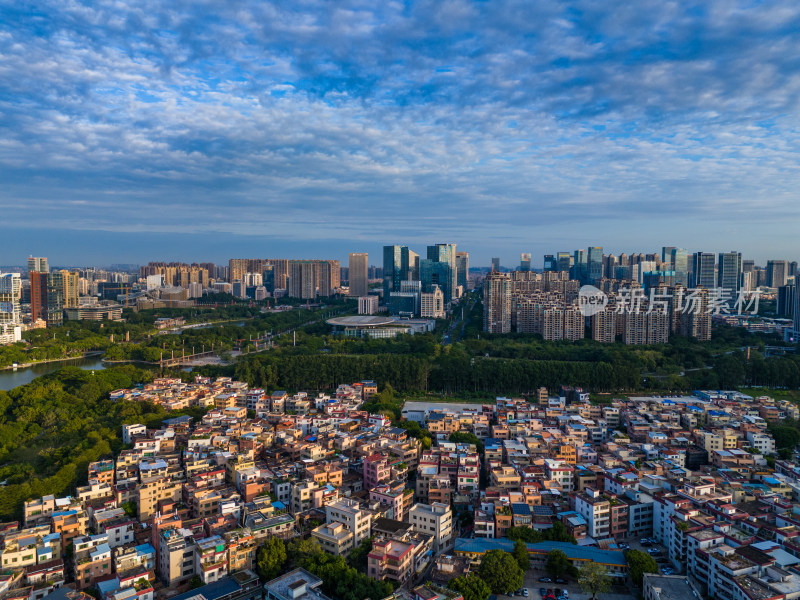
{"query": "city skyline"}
(271, 128)
(182, 253)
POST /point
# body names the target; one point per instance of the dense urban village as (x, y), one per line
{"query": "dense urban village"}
(293, 496)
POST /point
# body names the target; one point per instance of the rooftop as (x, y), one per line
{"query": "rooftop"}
(361, 321)
(286, 586)
(671, 587)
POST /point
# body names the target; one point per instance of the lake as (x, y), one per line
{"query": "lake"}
(10, 379)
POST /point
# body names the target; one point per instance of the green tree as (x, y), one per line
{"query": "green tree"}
(195, 582)
(501, 572)
(471, 587)
(785, 436)
(559, 533)
(594, 579)
(557, 563)
(270, 558)
(521, 555)
(358, 555)
(640, 563)
(525, 534)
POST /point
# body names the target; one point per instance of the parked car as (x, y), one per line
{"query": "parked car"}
(545, 580)
(525, 592)
(560, 580)
(542, 592)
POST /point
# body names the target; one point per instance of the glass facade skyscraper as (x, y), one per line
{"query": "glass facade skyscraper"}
(679, 262)
(704, 270)
(462, 269)
(445, 278)
(729, 270)
(594, 267)
(395, 268)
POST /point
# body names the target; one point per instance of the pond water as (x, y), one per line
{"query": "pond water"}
(10, 379)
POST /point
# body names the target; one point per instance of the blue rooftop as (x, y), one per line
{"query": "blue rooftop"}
(606, 557)
(145, 549)
(212, 591)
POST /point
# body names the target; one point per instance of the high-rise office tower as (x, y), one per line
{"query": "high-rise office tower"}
(395, 268)
(359, 284)
(497, 303)
(729, 271)
(564, 260)
(433, 273)
(413, 266)
(704, 270)
(462, 269)
(793, 268)
(442, 254)
(786, 300)
(594, 267)
(580, 266)
(748, 265)
(679, 263)
(525, 261)
(777, 273)
(38, 264)
(666, 255)
(496, 264)
(550, 263)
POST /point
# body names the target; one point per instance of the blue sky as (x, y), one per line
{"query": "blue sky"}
(151, 130)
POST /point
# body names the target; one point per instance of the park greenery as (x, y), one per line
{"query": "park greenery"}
(484, 364)
(136, 338)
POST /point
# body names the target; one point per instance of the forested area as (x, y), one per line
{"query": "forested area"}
(519, 365)
(233, 324)
(53, 427)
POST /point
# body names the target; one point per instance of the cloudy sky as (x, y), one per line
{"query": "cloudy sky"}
(141, 130)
